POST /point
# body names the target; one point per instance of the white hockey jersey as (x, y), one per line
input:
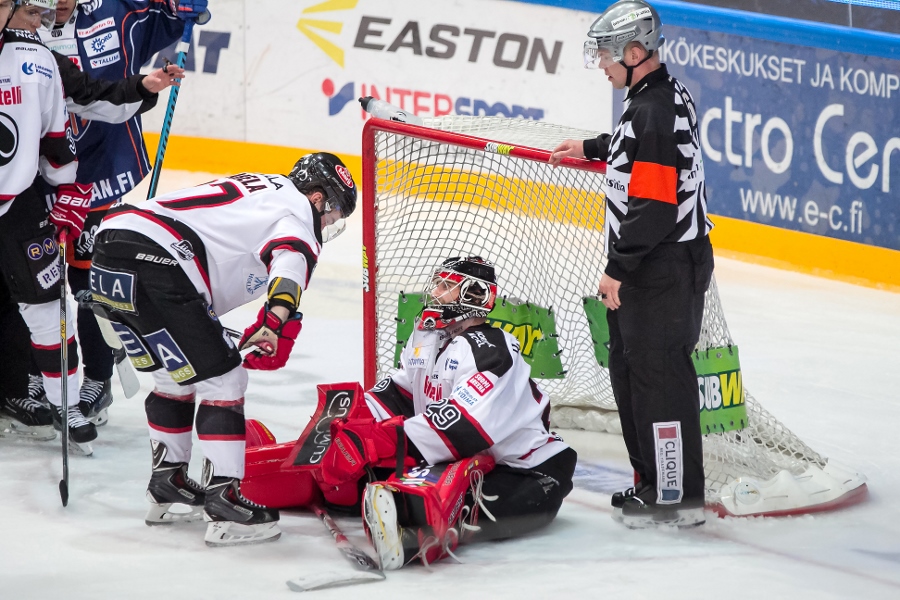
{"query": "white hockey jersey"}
(475, 395)
(252, 227)
(34, 124)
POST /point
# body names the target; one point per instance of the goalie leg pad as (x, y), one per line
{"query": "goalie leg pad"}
(433, 505)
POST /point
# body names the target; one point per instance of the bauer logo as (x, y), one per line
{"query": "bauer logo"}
(169, 353)
(113, 288)
(669, 462)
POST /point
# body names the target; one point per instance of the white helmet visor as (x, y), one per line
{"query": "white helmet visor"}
(600, 57)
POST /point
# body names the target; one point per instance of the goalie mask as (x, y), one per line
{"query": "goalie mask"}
(623, 22)
(461, 288)
(326, 173)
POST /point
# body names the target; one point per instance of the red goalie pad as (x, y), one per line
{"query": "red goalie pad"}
(289, 474)
(431, 500)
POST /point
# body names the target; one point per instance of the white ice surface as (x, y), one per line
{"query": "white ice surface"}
(821, 356)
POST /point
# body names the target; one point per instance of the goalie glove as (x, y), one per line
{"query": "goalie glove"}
(73, 203)
(274, 340)
(360, 443)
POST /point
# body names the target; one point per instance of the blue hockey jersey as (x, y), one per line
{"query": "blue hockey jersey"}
(112, 39)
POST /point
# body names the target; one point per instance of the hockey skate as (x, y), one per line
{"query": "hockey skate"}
(170, 485)
(233, 519)
(392, 542)
(36, 389)
(637, 514)
(25, 418)
(94, 400)
(81, 431)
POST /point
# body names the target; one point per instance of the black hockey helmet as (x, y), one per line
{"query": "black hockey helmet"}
(476, 280)
(328, 173)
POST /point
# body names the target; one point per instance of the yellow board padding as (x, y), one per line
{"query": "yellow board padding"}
(870, 266)
(208, 155)
(822, 256)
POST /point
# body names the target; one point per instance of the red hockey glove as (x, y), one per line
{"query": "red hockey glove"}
(73, 202)
(357, 444)
(274, 339)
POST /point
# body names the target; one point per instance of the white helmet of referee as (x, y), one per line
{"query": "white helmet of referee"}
(623, 22)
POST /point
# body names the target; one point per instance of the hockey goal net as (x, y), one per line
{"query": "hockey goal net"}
(482, 185)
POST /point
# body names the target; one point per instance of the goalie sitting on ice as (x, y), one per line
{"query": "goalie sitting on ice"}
(465, 411)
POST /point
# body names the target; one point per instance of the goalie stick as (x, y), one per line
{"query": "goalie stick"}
(368, 569)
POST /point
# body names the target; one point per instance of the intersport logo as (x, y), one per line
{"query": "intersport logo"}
(423, 103)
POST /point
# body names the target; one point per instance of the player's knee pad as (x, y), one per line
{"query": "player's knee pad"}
(43, 321)
(165, 386)
(435, 503)
(228, 387)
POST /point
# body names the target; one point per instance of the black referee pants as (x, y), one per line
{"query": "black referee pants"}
(652, 336)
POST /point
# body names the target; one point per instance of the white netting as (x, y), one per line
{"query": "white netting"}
(543, 227)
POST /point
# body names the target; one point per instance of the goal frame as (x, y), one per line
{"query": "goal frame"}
(369, 208)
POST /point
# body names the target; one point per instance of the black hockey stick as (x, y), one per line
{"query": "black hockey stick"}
(63, 374)
(368, 569)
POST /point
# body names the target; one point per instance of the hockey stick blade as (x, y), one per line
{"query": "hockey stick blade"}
(64, 492)
(328, 580)
(367, 568)
(127, 376)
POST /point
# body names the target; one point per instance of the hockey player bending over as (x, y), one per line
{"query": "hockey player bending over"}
(163, 271)
(462, 406)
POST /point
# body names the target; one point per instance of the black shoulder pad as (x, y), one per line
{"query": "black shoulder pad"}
(489, 349)
(19, 35)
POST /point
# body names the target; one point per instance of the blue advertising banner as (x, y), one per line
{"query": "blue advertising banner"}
(796, 137)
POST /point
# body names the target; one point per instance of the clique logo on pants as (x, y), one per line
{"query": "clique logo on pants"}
(669, 462)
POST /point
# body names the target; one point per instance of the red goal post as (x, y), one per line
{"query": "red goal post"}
(482, 185)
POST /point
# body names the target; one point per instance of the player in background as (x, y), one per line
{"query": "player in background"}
(660, 264)
(38, 147)
(462, 400)
(109, 40)
(87, 97)
(165, 270)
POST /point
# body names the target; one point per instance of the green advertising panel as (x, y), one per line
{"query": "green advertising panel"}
(596, 316)
(533, 326)
(721, 399)
(722, 405)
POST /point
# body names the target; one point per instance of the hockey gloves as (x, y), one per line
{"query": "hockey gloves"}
(191, 9)
(274, 339)
(73, 202)
(360, 443)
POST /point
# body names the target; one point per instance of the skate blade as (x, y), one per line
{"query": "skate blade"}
(17, 430)
(384, 533)
(82, 449)
(229, 533)
(683, 519)
(163, 514)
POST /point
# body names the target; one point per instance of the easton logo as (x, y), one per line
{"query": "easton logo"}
(481, 384)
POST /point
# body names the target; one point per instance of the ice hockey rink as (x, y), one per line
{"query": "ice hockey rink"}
(822, 356)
